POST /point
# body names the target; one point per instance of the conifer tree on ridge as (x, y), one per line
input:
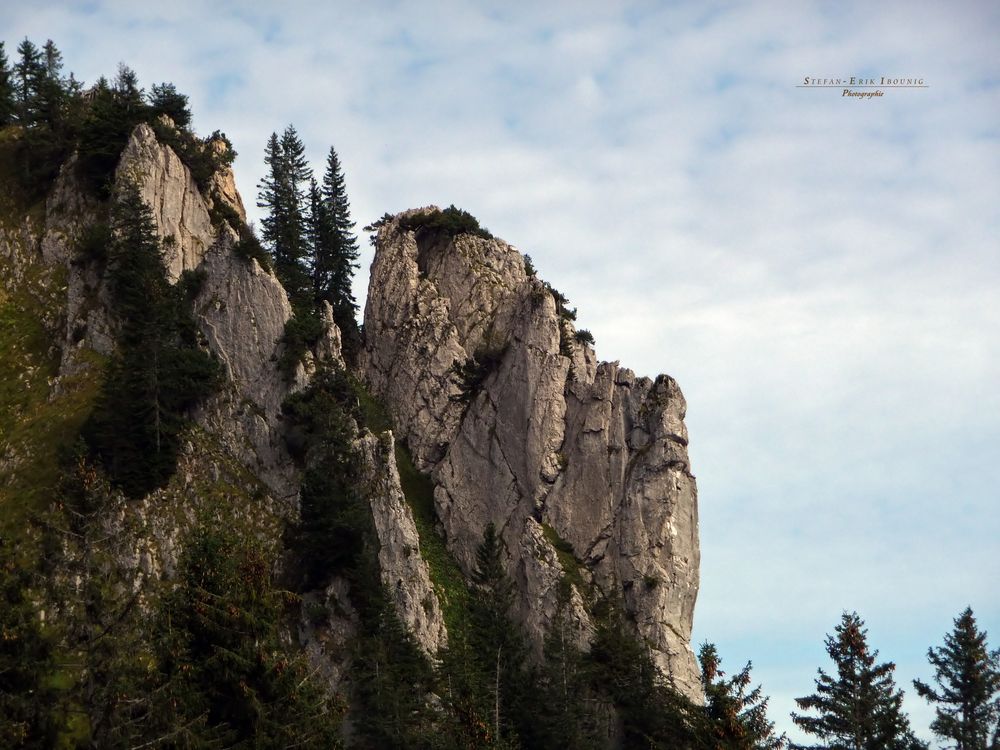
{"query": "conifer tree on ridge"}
(337, 253)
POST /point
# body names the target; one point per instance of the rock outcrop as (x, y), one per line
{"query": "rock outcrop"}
(242, 311)
(518, 425)
(404, 571)
(580, 465)
(167, 187)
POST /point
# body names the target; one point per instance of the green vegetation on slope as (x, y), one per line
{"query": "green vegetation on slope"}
(449, 583)
(36, 425)
(572, 568)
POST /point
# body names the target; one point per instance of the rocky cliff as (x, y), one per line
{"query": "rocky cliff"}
(581, 466)
(518, 425)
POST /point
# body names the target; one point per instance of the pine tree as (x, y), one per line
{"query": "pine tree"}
(281, 193)
(967, 674)
(52, 92)
(736, 719)
(860, 708)
(489, 686)
(113, 113)
(225, 663)
(7, 103)
(164, 99)
(29, 73)
(128, 93)
(336, 252)
(95, 598)
(569, 718)
(319, 231)
(158, 373)
(651, 713)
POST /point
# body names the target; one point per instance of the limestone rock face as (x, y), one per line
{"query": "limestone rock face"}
(626, 502)
(223, 186)
(404, 571)
(167, 187)
(519, 425)
(242, 311)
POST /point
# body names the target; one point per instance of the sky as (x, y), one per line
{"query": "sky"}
(820, 273)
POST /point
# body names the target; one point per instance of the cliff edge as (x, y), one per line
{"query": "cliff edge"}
(581, 465)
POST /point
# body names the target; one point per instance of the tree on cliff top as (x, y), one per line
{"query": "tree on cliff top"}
(6, 90)
(336, 251)
(282, 194)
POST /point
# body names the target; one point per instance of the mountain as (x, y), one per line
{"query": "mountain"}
(474, 404)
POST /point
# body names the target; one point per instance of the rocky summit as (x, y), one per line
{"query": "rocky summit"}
(445, 499)
(552, 447)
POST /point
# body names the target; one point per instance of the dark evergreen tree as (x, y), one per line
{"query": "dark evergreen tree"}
(52, 92)
(967, 674)
(392, 678)
(283, 228)
(334, 518)
(498, 642)
(7, 101)
(26, 662)
(29, 74)
(484, 680)
(113, 113)
(95, 602)
(336, 252)
(158, 373)
(164, 99)
(736, 719)
(859, 708)
(566, 715)
(650, 713)
(128, 93)
(225, 664)
(319, 231)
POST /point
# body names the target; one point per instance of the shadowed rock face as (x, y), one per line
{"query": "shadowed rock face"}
(535, 433)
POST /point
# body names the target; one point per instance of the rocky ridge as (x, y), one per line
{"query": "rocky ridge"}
(549, 444)
(513, 419)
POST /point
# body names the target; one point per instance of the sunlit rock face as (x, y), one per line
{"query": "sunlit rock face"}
(520, 426)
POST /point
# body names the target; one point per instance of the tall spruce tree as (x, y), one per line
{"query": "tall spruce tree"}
(7, 104)
(281, 193)
(52, 93)
(104, 654)
(967, 674)
(114, 111)
(651, 713)
(158, 372)
(860, 708)
(496, 640)
(336, 252)
(485, 684)
(224, 657)
(736, 718)
(29, 73)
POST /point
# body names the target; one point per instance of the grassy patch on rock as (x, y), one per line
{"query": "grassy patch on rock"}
(572, 568)
(449, 583)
